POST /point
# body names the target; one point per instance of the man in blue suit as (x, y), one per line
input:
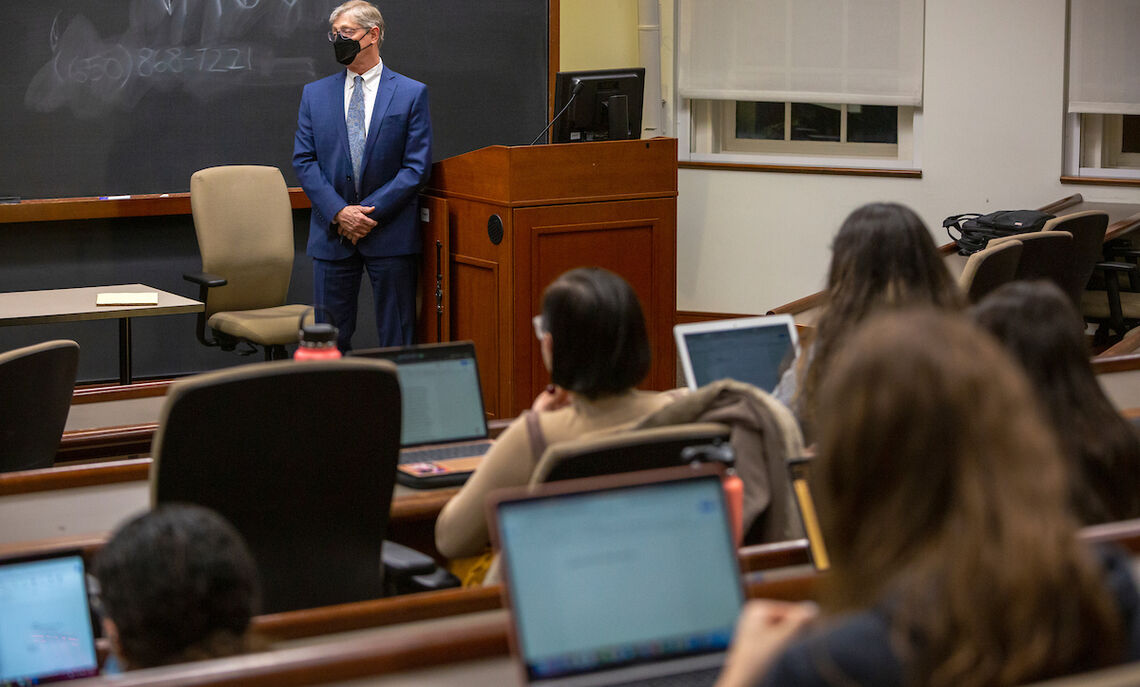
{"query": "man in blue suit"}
(362, 152)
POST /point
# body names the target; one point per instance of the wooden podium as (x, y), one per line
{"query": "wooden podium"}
(506, 221)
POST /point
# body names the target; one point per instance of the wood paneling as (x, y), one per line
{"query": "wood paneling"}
(476, 317)
(556, 203)
(636, 239)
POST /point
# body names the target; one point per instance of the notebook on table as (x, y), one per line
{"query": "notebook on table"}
(627, 579)
(756, 350)
(443, 432)
(46, 629)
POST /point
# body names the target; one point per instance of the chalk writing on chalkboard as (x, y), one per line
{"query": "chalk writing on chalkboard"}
(206, 48)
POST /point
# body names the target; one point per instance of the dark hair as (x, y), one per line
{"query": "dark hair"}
(1038, 324)
(943, 494)
(883, 258)
(179, 584)
(600, 344)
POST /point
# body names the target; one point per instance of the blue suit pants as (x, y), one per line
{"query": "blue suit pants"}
(336, 285)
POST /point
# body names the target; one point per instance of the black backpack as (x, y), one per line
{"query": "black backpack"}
(975, 230)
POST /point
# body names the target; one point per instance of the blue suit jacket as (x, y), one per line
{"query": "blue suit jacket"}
(397, 161)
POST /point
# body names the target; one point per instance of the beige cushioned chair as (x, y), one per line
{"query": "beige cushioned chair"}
(989, 268)
(244, 224)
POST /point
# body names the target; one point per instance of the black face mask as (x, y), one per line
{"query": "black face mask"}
(346, 49)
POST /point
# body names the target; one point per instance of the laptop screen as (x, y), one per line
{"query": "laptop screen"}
(757, 353)
(621, 576)
(440, 395)
(45, 621)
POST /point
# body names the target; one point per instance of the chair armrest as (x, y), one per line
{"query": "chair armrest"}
(402, 563)
(435, 581)
(205, 282)
(407, 571)
(205, 279)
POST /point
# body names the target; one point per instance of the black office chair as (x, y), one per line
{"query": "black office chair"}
(36, 383)
(307, 478)
(630, 451)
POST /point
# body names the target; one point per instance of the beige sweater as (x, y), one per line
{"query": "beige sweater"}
(461, 529)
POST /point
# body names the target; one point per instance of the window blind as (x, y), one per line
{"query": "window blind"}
(1104, 56)
(866, 52)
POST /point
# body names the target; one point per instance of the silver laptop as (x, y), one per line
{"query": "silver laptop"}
(617, 580)
(443, 427)
(756, 350)
(46, 630)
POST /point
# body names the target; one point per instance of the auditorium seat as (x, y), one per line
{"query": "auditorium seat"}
(989, 268)
(628, 451)
(36, 383)
(307, 478)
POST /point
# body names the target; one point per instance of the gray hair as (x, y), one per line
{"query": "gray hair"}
(362, 12)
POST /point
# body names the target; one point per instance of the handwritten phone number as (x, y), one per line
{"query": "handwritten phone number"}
(117, 64)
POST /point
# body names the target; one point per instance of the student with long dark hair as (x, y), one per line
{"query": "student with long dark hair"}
(594, 343)
(1040, 327)
(883, 258)
(943, 501)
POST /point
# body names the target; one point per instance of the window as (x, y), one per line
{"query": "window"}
(1103, 121)
(816, 82)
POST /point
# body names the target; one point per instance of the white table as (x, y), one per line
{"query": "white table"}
(75, 305)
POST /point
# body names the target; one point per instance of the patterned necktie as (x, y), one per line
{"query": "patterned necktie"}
(355, 123)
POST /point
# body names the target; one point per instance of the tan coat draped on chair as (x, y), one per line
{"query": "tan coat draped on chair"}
(764, 435)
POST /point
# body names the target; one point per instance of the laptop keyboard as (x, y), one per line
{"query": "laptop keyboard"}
(428, 455)
(696, 678)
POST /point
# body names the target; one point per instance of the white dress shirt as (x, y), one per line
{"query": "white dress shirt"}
(371, 84)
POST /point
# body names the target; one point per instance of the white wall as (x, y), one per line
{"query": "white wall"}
(992, 115)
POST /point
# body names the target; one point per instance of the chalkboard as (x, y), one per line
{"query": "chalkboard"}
(114, 97)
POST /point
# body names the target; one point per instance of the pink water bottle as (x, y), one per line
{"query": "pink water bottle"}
(317, 342)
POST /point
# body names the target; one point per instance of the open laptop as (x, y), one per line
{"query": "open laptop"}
(619, 579)
(443, 432)
(756, 350)
(46, 629)
(799, 472)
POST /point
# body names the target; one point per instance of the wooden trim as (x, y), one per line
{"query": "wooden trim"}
(87, 543)
(1121, 363)
(120, 392)
(695, 316)
(1100, 181)
(803, 169)
(1121, 227)
(105, 442)
(1066, 202)
(90, 207)
(73, 476)
(777, 555)
(377, 613)
(1125, 533)
(539, 202)
(1126, 346)
(799, 305)
(329, 663)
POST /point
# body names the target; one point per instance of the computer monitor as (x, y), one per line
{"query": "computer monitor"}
(604, 105)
